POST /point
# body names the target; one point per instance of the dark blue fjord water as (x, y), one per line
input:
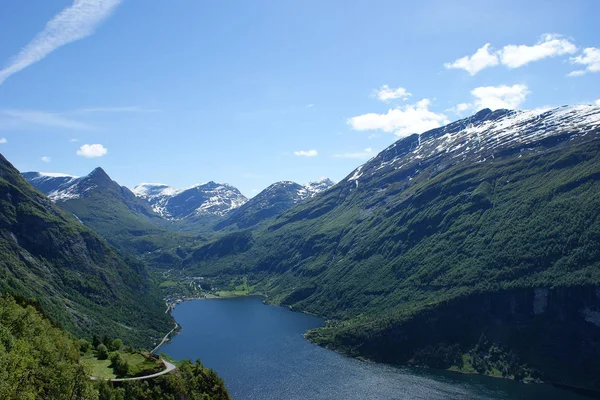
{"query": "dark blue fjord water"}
(260, 352)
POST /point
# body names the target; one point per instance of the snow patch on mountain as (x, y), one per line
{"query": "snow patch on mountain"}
(55, 175)
(480, 137)
(152, 190)
(311, 189)
(197, 200)
(58, 186)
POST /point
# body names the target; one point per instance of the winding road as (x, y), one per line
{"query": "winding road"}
(168, 368)
(164, 339)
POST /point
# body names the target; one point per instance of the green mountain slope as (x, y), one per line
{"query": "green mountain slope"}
(124, 220)
(79, 280)
(449, 246)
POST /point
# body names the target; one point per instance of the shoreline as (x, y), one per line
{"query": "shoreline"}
(171, 307)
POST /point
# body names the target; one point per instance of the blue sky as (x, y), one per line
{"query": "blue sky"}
(253, 92)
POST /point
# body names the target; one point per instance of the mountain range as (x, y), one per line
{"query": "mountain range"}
(473, 247)
(208, 199)
(467, 240)
(273, 201)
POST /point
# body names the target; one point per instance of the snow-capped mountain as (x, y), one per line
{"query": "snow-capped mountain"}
(273, 201)
(54, 185)
(209, 199)
(479, 138)
(311, 189)
(62, 187)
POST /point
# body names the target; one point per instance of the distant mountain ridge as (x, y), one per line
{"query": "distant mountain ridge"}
(205, 202)
(208, 199)
(273, 201)
(219, 199)
(110, 209)
(156, 220)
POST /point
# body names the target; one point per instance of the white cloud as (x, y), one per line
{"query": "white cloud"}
(92, 150)
(496, 97)
(578, 72)
(73, 140)
(25, 118)
(361, 155)
(473, 64)
(403, 121)
(71, 24)
(515, 56)
(386, 93)
(3, 140)
(459, 109)
(597, 103)
(549, 45)
(590, 58)
(45, 159)
(306, 153)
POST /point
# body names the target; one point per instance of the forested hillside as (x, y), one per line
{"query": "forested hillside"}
(82, 283)
(40, 361)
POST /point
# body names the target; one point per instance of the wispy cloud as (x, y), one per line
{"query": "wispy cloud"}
(361, 155)
(306, 153)
(386, 93)
(403, 121)
(70, 119)
(459, 109)
(31, 118)
(123, 109)
(92, 151)
(3, 140)
(590, 59)
(45, 159)
(597, 103)
(73, 140)
(73, 23)
(514, 56)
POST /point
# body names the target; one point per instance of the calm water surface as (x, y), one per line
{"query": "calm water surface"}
(260, 352)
